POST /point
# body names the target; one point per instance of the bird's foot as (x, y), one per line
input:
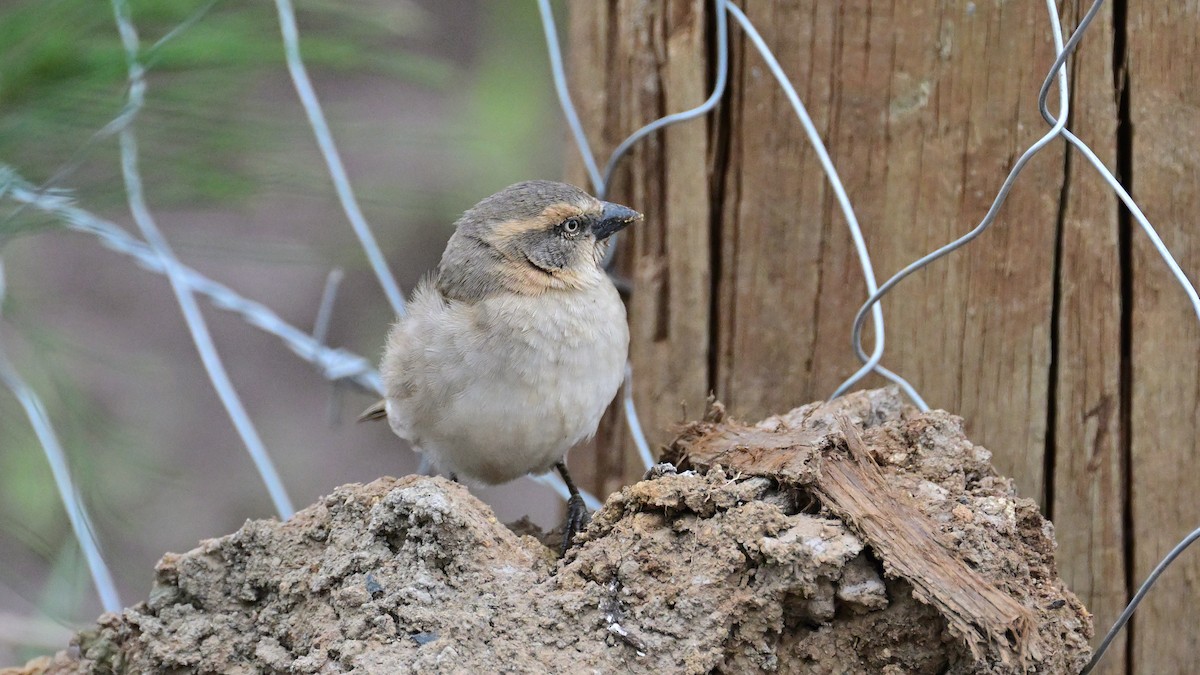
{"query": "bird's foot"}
(577, 519)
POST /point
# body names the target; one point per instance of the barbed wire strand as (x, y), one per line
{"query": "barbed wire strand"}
(337, 364)
(320, 333)
(114, 126)
(79, 155)
(59, 468)
(333, 160)
(183, 293)
(860, 245)
(988, 219)
(334, 364)
(325, 309)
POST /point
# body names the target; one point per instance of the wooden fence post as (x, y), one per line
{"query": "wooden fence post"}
(1072, 357)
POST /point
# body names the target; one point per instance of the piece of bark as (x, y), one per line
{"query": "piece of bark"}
(817, 450)
(852, 487)
(792, 457)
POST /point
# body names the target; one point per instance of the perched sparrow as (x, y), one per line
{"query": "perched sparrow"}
(513, 349)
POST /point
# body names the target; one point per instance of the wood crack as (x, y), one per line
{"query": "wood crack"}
(1125, 253)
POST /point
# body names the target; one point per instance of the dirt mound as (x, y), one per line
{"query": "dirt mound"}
(855, 536)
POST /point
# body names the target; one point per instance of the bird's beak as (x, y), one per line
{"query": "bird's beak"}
(613, 218)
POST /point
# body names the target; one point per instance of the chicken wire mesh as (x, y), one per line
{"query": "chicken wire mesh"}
(153, 252)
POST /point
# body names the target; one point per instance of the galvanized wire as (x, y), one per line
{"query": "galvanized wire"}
(722, 78)
(1180, 278)
(333, 364)
(183, 293)
(988, 218)
(1137, 599)
(860, 246)
(333, 160)
(635, 424)
(558, 73)
(1058, 128)
(77, 513)
(340, 365)
(600, 184)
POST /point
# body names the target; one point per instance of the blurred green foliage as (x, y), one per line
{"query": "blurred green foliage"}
(63, 73)
(505, 115)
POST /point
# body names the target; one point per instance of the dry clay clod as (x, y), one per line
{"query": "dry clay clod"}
(843, 537)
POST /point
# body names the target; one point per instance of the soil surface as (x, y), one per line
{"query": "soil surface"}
(764, 562)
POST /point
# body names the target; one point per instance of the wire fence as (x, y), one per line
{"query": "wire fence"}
(154, 253)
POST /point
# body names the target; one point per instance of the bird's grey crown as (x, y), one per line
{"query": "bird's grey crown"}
(471, 266)
(520, 201)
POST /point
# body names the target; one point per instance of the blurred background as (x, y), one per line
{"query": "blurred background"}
(434, 104)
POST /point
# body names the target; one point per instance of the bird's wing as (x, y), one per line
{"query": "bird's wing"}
(410, 365)
(377, 411)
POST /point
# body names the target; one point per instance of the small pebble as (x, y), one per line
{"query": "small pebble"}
(373, 586)
(423, 638)
(963, 513)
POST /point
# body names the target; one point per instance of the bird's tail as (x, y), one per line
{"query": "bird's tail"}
(377, 411)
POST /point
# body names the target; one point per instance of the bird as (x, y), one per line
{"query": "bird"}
(516, 344)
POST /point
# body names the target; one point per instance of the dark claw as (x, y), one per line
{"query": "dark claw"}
(577, 519)
(577, 513)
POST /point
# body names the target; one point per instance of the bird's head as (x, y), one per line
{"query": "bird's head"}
(530, 238)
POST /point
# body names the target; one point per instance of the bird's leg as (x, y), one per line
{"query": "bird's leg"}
(577, 513)
(453, 477)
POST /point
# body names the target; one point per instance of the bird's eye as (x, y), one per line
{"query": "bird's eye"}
(571, 226)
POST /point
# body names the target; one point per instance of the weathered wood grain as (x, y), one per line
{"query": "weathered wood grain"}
(1062, 352)
(1088, 454)
(923, 128)
(1164, 68)
(652, 58)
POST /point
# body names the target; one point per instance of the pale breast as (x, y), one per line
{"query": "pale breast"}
(505, 386)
